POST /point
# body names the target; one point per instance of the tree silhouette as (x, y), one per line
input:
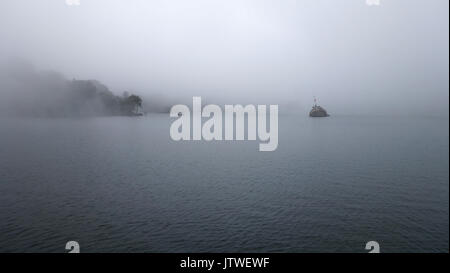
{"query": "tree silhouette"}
(131, 105)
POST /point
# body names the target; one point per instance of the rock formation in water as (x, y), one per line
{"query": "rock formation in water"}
(318, 111)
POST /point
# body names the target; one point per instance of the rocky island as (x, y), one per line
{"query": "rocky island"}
(318, 111)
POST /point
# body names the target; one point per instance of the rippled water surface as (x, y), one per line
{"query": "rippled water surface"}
(122, 185)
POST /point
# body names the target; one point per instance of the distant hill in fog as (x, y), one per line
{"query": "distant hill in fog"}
(25, 91)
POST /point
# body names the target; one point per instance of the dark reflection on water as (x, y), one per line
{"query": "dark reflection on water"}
(122, 185)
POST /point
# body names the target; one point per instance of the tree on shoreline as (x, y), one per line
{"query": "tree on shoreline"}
(131, 104)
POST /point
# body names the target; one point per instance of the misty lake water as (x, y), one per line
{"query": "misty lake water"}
(121, 184)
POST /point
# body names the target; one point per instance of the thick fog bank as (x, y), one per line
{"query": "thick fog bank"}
(26, 91)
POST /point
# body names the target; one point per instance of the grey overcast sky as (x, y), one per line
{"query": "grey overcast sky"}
(357, 59)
